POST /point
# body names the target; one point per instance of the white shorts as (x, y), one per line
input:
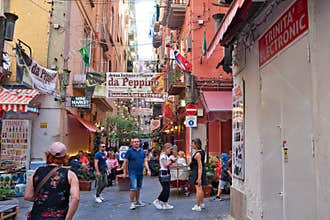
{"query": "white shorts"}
(222, 184)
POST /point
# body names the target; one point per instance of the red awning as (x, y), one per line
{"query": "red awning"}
(16, 99)
(227, 21)
(87, 124)
(218, 104)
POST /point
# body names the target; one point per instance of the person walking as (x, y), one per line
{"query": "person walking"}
(164, 178)
(225, 177)
(51, 187)
(100, 172)
(134, 162)
(197, 176)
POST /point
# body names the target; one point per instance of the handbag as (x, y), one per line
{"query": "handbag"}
(41, 183)
(164, 176)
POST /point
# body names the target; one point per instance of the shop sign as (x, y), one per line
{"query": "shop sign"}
(135, 85)
(80, 102)
(292, 24)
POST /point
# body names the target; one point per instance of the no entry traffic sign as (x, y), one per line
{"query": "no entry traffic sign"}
(191, 109)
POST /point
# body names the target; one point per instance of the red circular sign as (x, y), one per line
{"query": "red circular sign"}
(191, 109)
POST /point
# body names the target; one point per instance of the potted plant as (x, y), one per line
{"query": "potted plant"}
(6, 192)
(85, 179)
(210, 176)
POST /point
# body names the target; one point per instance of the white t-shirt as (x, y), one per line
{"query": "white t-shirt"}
(163, 156)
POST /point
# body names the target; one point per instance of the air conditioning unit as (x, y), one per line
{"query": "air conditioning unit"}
(200, 22)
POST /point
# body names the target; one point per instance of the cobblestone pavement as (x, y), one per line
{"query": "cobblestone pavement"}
(116, 205)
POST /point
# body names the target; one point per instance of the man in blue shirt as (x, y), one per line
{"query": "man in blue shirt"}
(135, 160)
(100, 172)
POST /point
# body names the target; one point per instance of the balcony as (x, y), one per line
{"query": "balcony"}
(174, 14)
(175, 82)
(79, 81)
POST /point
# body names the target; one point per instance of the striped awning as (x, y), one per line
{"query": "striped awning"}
(16, 99)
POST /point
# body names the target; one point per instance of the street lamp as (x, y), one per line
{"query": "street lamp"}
(7, 26)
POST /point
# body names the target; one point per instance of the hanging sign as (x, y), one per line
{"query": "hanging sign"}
(135, 85)
(292, 24)
(80, 102)
(43, 79)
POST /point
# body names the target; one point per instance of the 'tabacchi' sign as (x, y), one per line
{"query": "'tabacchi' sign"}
(292, 24)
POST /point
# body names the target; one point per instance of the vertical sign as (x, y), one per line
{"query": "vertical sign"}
(238, 160)
(292, 24)
(15, 142)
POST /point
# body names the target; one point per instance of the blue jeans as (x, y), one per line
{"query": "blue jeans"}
(135, 181)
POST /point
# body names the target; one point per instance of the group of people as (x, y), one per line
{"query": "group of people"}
(52, 186)
(136, 160)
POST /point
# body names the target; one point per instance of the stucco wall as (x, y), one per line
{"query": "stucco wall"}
(320, 53)
(279, 103)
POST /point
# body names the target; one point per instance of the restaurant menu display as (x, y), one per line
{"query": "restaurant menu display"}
(15, 136)
(238, 163)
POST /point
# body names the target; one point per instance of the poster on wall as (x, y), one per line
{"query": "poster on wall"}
(238, 161)
(15, 142)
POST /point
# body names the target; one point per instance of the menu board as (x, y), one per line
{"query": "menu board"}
(15, 136)
(238, 162)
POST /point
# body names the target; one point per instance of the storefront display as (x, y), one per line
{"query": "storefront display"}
(15, 142)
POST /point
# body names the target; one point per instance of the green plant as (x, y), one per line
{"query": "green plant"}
(210, 172)
(84, 174)
(6, 192)
(119, 129)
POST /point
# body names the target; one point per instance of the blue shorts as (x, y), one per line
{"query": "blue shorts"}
(135, 181)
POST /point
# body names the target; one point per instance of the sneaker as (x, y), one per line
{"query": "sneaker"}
(98, 200)
(196, 208)
(167, 206)
(132, 206)
(140, 204)
(101, 197)
(217, 198)
(203, 205)
(157, 204)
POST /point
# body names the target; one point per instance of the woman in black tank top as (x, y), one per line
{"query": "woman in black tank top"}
(51, 202)
(197, 177)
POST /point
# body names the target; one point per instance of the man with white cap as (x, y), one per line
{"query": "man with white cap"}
(51, 187)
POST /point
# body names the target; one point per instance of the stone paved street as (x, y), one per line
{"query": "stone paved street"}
(116, 205)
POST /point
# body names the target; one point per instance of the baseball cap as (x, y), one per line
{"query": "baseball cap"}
(224, 156)
(57, 149)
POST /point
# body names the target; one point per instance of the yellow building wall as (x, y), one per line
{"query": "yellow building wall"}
(32, 27)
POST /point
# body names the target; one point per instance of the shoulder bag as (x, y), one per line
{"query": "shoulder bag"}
(164, 176)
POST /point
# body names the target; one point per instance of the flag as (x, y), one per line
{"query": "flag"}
(204, 45)
(182, 63)
(85, 55)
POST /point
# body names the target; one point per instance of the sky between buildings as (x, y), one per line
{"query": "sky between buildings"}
(144, 12)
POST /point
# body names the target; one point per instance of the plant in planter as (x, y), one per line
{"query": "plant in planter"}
(6, 192)
(211, 175)
(85, 179)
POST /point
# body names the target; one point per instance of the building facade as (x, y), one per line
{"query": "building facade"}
(55, 32)
(188, 26)
(280, 68)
